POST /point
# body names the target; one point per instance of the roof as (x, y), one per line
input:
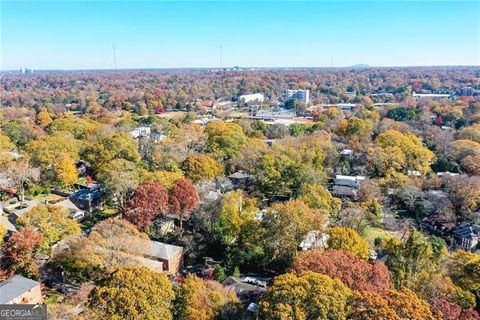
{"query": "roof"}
(26, 207)
(241, 287)
(161, 250)
(7, 224)
(344, 191)
(239, 175)
(15, 287)
(67, 204)
(352, 178)
(346, 183)
(346, 152)
(91, 192)
(467, 231)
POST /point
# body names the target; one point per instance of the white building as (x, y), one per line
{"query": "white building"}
(300, 95)
(141, 132)
(431, 95)
(246, 98)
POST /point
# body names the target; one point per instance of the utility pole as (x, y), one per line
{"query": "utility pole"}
(115, 57)
(221, 57)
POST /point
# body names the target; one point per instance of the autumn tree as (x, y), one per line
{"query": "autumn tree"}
(224, 140)
(180, 143)
(366, 305)
(45, 150)
(5, 143)
(199, 299)
(133, 293)
(236, 211)
(80, 127)
(354, 272)
(286, 225)
(19, 131)
(51, 222)
(463, 268)
(18, 173)
(148, 200)
(43, 119)
(464, 192)
(165, 178)
(102, 151)
(3, 233)
(112, 244)
(65, 170)
(309, 296)
(318, 197)
(348, 240)
(201, 167)
(436, 286)
(120, 179)
(407, 305)
(183, 199)
(406, 259)
(19, 253)
(444, 309)
(399, 151)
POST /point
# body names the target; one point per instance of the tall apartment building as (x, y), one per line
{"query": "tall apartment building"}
(300, 95)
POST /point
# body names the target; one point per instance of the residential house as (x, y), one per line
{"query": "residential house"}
(88, 199)
(247, 289)
(73, 211)
(83, 168)
(466, 237)
(20, 209)
(437, 225)
(169, 255)
(347, 186)
(240, 179)
(20, 290)
(141, 132)
(346, 153)
(314, 239)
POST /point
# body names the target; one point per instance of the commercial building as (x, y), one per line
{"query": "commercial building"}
(431, 95)
(247, 98)
(300, 95)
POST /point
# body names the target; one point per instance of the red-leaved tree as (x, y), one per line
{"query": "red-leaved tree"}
(469, 314)
(354, 272)
(19, 253)
(183, 199)
(444, 309)
(149, 200)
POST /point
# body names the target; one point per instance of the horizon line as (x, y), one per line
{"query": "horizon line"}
(356, 66)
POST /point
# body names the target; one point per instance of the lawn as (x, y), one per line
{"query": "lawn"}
(371, 233)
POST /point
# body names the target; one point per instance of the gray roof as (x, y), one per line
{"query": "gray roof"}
(344, 191)
(15, 287)
(239, 175)
(26, 206)
(67, 204)
(7, 224)
(467, 231)
(161, 250)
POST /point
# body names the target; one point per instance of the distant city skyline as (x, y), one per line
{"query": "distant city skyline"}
(72, 35)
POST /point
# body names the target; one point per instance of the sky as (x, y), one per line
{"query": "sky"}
(166, 34)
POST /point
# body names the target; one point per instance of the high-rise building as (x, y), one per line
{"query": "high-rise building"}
(300, 95)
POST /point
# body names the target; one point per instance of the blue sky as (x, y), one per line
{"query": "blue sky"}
(161, 34)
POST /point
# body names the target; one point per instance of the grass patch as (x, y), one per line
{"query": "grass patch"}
(371, 233)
